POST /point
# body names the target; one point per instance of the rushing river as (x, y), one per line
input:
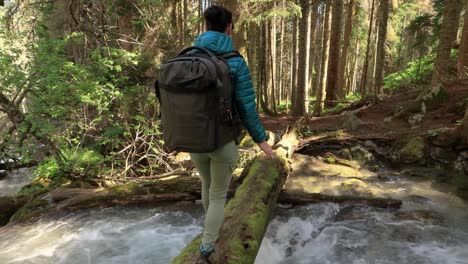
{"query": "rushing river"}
(319, 233)
(427, 230)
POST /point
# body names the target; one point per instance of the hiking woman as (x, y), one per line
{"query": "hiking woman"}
(216, 168)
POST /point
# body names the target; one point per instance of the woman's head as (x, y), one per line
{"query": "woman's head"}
(219, 19)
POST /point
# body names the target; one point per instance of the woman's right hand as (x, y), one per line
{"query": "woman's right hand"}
(267, 149)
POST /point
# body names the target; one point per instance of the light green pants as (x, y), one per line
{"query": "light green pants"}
(215, 169)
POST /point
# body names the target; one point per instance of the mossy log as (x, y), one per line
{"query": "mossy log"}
(247, 215)
(174, 189)
(8, 207)
(184, 188)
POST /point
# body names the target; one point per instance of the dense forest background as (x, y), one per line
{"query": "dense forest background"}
(76, 76)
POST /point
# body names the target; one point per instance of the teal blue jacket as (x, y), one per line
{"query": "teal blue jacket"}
(244, 95)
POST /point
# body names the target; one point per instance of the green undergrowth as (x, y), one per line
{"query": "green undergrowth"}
(415, 75)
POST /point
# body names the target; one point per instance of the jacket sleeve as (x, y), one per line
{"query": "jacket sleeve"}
(245, 103)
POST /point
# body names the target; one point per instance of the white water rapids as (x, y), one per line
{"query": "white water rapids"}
(323, 233)
(310, 234)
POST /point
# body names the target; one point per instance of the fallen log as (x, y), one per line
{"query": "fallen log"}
(247, 215)
(302, 198)
(151, 191)
(184, 188)
(8, 206)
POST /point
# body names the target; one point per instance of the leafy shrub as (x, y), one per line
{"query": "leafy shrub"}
(73, 164)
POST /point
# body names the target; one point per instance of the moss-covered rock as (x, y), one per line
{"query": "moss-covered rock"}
(359, 154)
(431, 98)
(349, 121)
(413, 151)
(461, 181)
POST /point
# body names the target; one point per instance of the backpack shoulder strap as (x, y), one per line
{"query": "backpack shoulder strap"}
(231, 54)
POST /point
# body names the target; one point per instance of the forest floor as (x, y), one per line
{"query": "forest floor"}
(373, 116)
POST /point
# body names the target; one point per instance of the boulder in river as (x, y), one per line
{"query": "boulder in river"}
(412, 151)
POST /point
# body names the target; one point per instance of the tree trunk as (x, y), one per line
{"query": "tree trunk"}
(365, 68)
(344, 54)
(319, 56)
(273, 61)
(263, 68)
(463, 53)
(280, 69)
(380, 61)
(402, 41)
(294, 66)
(200, 16)
(448, 33)
(247, 215)
(354, 67)
(185, 22)
(258, 66)
(372, 63)
(239, 35)
(334, 57)
(463, 129)
(269, 99)
(323, 69)
(312, 52)
(298, 105)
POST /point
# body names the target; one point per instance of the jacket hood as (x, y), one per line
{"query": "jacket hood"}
(215, 41)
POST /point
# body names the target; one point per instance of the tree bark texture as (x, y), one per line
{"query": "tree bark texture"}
(334, 56)
(365, 68)
(380, 60)
(463, 53)
(298, 105)
(443, 65)
(351, 11)
(323, 69)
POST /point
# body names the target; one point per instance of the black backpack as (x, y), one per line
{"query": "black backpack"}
(195, 91)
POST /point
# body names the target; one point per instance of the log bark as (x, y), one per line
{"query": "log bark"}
(184, 188)
(247, 215)
(8, 206)
(152, 192)
(302, 198)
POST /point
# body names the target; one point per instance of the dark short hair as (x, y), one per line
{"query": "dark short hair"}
(217, 18)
